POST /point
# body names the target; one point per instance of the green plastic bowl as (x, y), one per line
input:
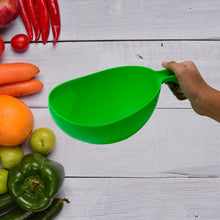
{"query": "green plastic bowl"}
(107, 106)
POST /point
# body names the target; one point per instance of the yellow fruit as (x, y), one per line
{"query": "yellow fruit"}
(16, 121)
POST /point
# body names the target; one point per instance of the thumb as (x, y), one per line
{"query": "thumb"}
(172, 65)
(164, 64)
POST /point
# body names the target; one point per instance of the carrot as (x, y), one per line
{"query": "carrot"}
(16, 72)
(21, 88)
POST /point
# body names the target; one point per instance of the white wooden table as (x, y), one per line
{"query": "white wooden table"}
(170, 169)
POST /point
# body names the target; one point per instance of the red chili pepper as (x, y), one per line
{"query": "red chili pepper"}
(54, 18)
(44, 19)
(25, 18)
(34, 18)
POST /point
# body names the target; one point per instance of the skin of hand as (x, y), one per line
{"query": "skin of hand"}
(204, 99)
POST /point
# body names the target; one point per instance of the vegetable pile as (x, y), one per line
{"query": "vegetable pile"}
(29, 184)
(32, 188)
(41, 14)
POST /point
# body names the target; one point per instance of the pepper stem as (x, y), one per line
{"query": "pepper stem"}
(65, 200)
(35, 184)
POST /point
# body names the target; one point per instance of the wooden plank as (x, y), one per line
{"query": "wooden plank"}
(116, 198)
(167, 199)
(71, 60)
(172, 143)
(133, 19)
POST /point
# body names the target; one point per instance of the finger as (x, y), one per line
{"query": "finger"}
(164, 64)
(176, 91)
(170, 84)
(180, 96)
(172, 65)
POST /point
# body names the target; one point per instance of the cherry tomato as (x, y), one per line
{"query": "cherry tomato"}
(2, 46)
(20, 42)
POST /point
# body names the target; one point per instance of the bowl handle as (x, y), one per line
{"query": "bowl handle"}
(166, 76)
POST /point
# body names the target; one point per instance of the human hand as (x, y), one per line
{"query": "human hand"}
(191, 84)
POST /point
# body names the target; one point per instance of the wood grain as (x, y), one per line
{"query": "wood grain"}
(70, 60)
(171, 199)
(172, 143)
(133, 19)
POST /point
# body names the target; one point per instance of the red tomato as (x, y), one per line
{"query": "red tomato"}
(2, 46)
(20, 42)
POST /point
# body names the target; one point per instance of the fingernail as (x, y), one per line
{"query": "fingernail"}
(164, 63)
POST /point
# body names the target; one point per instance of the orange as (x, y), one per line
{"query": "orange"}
(16, 121)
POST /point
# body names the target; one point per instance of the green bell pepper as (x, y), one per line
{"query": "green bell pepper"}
(35, 182)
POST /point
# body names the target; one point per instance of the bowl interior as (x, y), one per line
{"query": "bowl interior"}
(105, 97)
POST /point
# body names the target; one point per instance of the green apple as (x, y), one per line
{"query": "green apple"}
(43, 140)
(11, 156)
(3, 181)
